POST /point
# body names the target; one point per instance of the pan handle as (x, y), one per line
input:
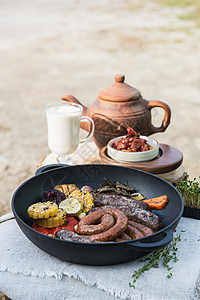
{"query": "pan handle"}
(144, 245)
(49, 168)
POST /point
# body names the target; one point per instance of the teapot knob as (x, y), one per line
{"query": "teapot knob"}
(119, 78)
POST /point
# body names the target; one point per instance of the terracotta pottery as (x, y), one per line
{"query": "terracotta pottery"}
(118, 107)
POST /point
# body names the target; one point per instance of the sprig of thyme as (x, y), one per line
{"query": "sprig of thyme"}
(190, 191)
(168, 254)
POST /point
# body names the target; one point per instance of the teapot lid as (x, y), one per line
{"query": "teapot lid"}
(119, 91)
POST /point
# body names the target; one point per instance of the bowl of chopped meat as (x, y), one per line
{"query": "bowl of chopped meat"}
(133, 147)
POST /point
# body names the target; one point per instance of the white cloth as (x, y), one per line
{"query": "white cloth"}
(26, 272)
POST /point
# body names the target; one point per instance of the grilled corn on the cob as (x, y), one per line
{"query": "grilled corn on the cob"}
(84, 197)
(42, 210)
(55, 221)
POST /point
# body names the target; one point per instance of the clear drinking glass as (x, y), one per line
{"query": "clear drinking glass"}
(63, 123)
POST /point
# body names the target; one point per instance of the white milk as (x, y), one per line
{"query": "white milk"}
(63, 121)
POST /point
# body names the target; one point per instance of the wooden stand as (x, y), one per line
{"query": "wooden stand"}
(167, 166)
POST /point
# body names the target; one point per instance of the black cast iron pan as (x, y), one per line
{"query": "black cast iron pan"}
(104, 253)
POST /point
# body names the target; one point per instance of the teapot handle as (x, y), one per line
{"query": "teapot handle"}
(166, 121)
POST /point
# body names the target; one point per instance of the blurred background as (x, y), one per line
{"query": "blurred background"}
(52, 48)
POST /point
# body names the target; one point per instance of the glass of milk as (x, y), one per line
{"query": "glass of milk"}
(63, 123)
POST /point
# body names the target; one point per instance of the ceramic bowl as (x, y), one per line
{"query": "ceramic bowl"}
(124, 156)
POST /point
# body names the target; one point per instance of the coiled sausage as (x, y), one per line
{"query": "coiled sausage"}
(110, 234)
(86, 227)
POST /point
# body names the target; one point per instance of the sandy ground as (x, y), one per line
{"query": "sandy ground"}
(51, 48)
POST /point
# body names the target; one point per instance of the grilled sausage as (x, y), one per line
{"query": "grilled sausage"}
(99, 208)
(112, 233)
(123, 237)
(118, 201)
(67, 235)
(144, 229)
(85, 226)
(134, 232)
(144, 217)
(138, 215)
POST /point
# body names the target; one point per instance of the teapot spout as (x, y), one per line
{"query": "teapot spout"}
(70, 98)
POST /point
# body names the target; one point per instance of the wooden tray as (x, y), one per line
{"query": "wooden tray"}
(169, 159)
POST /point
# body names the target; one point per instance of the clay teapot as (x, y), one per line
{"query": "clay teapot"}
(118, 107)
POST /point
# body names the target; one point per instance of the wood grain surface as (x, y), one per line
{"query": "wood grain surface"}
(169, 159)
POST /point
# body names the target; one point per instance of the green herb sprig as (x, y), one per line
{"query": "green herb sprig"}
(168, 254)
(190, 191)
